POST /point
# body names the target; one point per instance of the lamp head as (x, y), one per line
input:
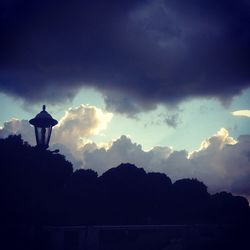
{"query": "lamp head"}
(43, 123)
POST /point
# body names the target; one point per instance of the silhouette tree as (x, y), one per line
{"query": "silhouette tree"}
(39, 187)
(228, 209)
(32, 182)
(157, 198)
(81, 197)
(121, 191)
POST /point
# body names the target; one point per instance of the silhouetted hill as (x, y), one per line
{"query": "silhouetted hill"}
(39, 187)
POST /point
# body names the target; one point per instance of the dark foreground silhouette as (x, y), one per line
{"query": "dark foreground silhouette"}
(39, 188)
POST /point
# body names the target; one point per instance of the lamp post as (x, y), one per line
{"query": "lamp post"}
(43, 123)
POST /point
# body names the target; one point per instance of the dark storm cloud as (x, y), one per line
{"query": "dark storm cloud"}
(137, 53)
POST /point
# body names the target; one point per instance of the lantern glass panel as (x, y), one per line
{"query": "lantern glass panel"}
(43, 136)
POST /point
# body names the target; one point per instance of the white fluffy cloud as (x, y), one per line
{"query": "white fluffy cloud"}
(15, 126)
(221, 162)
(78, 124)
(122, 150)
(243, 112)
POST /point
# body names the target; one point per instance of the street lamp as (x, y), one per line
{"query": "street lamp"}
(43, 123)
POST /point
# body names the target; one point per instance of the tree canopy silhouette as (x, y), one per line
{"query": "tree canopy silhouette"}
(39, 187)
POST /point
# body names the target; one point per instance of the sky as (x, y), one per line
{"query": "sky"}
(161, 84)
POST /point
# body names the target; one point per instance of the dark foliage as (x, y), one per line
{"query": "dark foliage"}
(39, 187)
(32, 183)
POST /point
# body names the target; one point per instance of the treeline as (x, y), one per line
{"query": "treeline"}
(40, 188)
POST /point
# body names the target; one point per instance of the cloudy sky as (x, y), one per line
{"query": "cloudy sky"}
(161, 84)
